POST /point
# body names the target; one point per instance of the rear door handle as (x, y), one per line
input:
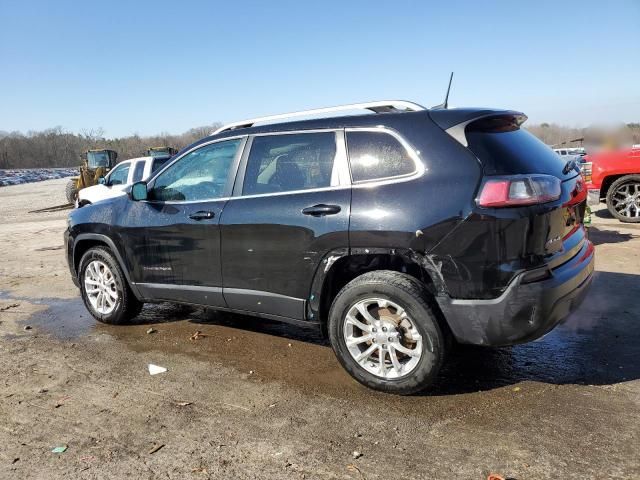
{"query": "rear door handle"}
(321, 210)
(202, 215)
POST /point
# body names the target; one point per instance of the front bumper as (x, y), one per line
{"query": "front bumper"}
(525, 311)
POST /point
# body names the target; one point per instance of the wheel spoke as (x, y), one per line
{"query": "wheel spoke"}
(364, 355)
(381, 366)
(109, 300)
(351, 341)
(407, 351)
(365, 313)
(394, 359)
(354, 321)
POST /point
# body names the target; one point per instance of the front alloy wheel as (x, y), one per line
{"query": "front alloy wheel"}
(104, 288)
(100, 287)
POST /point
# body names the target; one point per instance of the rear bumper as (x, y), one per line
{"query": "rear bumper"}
(525, 311)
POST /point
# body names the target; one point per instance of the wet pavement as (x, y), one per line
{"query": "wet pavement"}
(598, 345)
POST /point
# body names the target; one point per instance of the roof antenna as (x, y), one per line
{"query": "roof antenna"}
(445, 105)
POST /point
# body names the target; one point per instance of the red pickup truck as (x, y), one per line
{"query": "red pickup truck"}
(614, 177)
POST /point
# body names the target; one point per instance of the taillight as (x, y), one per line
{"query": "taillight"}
(518, 190)
(586, 170)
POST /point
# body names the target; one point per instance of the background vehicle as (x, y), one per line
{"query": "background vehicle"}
(161, 152)
(397, 232)
(569, 152)
(614, 177)
(118, 179)
(95, 164)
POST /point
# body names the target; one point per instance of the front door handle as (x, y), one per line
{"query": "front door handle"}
(202, 215)
(321, 210)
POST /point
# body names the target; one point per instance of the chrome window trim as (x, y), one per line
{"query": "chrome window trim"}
(292, 192)
(235, 164)
(344, 178)
(414, 154)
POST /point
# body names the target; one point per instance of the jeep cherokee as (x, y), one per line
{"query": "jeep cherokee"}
(398, 232)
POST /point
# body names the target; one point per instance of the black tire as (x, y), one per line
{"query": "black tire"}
(127, 305)
(71, 191)
(411, 295)
(613, 189)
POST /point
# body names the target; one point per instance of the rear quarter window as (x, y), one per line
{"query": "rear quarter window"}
(377, 155)
(513, 152)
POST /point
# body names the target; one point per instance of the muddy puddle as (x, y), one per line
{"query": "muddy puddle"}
(599, 344)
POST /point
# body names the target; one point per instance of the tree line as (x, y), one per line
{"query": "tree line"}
(56, 147)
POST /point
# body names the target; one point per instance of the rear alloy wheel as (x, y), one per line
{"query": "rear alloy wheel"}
(623, 199)
(385, 334)
(382, 338)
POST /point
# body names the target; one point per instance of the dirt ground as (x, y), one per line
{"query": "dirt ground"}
(255, 399)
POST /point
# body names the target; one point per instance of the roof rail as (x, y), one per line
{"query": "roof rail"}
(376, 107)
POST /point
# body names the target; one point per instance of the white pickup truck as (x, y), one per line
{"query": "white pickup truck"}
(123, 174)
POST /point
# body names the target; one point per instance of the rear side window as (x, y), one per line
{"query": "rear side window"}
(289, 162)
(138, 171)
(376, 155)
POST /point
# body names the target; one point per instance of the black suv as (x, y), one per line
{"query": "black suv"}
(398, 231)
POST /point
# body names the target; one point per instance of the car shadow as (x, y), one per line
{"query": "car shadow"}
(602, 213)
(599, 236)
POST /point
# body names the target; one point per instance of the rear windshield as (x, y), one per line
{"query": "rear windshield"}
(512, 151)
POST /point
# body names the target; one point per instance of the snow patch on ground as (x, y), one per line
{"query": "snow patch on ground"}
(29, 175)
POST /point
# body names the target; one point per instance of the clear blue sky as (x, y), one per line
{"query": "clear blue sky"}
(154, 66)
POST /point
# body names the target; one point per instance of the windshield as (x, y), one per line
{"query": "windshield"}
(98, 159)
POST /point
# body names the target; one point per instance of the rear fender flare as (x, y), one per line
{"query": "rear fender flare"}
(427, 262)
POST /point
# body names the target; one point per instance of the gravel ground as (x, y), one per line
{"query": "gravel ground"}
(254, 399)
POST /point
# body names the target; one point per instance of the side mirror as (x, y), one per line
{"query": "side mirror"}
(102, 181)
(139, 191)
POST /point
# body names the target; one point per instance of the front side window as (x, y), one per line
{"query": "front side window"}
(119, 174)
(199, 175)
(375, 155)
(289, 162)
